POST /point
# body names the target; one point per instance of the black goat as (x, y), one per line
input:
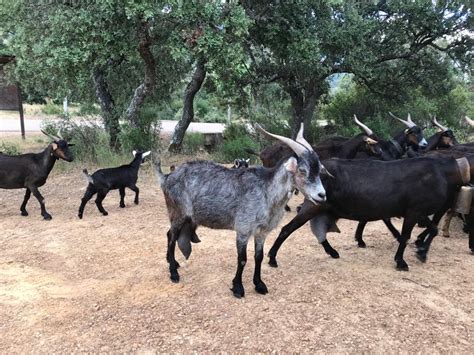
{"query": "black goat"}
(241, 163)
(366, 190)
(104, 180)
(30, 171)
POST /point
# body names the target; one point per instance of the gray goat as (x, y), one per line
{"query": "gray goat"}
(250, 201)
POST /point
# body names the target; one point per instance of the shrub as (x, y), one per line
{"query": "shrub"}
(52, 109)
(193, 142)
(88, 109)
(9, 148)
(236, 140)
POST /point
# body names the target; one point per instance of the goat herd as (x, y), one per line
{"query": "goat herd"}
(362, 178)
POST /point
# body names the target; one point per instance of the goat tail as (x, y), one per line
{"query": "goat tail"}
(89, 178)
(250, 151)
(161, 177)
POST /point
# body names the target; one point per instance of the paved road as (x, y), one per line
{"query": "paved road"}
(13, 125)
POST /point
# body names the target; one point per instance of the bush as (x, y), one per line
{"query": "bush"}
(193, 142)
(9, 148)
(52, 109)
(236, 140)
(91, 142)
(88, 109)
(144, 137)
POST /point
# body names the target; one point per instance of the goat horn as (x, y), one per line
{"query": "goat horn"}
(437, 124)
(59, 134)
(298, 148)
(50, 136)
(410, 120)
(469, 121)
(300, 139)
(366, 129)
(369, 140)
(406, 123)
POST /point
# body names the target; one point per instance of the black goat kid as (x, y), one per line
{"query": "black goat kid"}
(104, 180)
(30, 171)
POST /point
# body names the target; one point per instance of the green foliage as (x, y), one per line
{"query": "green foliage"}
(193, 143)
(9, 148)
(52, 109)
(236, 140)
(88, 109)
(144, 137)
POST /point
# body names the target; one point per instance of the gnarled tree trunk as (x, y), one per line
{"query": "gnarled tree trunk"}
(188, 106)
(303, 103)
(146, 88)
(107, 106)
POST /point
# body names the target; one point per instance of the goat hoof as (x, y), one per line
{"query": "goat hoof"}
(105, 213)
(122, 206)
(272, 262)
(238, 291)
(47, 217)
(334, 254)
(174, 277)
(80, 216)
(136, 202)
(402, 266)
(361, 245)
(261, 288)
(24, 213)
(421, 255)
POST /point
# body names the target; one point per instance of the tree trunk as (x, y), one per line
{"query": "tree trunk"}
(303, 103)
(107, 106)
(188, 106)
(146, 88)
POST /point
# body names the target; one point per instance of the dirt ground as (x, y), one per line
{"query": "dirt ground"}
(101, 284)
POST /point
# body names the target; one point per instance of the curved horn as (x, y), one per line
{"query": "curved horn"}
(410, 120)
(300, 139)
(406, 123)
(366, 129)
(60, 135)
(54, 138)
(298, 148)
(469, 121)
(437, 124)
(369, 140)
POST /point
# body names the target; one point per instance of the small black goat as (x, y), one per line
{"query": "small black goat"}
(241, 163)
(104, 180)
(30, 171)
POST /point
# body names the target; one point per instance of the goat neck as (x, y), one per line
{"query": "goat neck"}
(280, 184)
(47, 158)
(136, 162)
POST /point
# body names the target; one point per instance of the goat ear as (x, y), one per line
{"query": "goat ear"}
(146, 154)
(54, 145)
(134, 152)
(291, 165)
(247, 160)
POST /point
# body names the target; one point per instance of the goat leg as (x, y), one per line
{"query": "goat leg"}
(358, 235)
(237, 286)
(432, 229)
(98, 201)
(23, 210)
(122, 197)
(260, 286)
(173, 267)
(40, 199)
(447, 222)
(408, 223)
(137, 191)
(90, 192)
(308, 211)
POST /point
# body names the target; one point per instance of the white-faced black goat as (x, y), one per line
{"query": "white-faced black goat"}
(30, 171)
(104, 180)
(250, 201)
